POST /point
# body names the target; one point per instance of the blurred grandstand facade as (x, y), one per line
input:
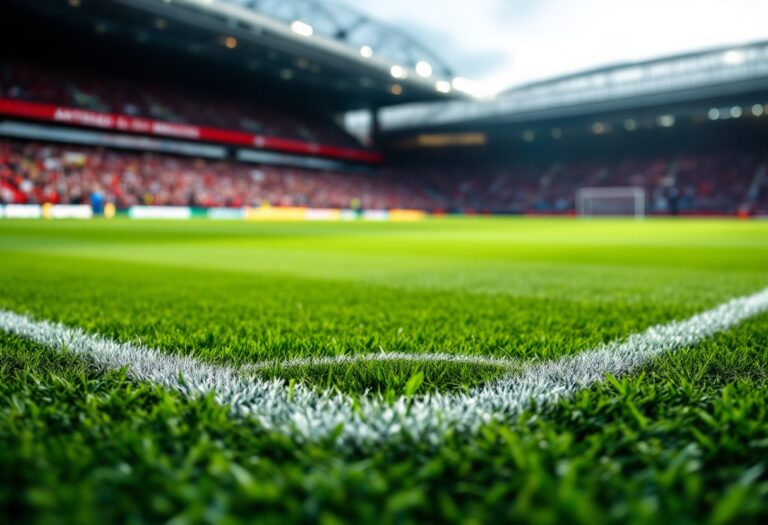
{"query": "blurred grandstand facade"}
(230, 104)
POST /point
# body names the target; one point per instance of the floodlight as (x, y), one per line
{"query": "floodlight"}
(302, 28)
(734, 57)
(397, 71)
(424, 69)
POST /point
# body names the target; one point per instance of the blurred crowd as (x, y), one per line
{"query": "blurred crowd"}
(36, 173)
(85, 90)
(33, 172)
(722, 182)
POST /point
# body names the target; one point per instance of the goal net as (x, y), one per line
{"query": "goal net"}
(607, 202)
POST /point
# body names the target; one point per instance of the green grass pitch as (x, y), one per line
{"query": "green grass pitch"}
(684, 440)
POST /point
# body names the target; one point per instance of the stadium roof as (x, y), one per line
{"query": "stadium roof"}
(679, 78)
(348, 58)
(365, 36)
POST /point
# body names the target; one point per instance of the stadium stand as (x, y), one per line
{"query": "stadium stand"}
(718, 183)
(692, 151)
(160, 101)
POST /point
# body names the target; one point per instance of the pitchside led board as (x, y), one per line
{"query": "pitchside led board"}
(274, 213)
(262, 213)
(47, 211)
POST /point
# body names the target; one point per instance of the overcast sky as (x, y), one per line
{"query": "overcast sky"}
(505, 42)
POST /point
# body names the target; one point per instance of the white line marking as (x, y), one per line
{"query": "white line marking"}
(307, 415)
(439, 357)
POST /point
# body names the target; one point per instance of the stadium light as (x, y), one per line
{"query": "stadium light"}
(229, 42)
(736, 112)
(424, 69)
(630, 124)
(302, 28)
(529, 136)
(556, 133)
(443, 86)
(467, 86)
(396, 89)
(666, 121)
(397, 71)
(366, 51)
(734, 57)
(598, 128)
(462, 84)
(74, 3)
(713, 114)
(758, 110)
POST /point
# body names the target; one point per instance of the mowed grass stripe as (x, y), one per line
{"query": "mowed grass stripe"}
(583, 260)
(367, 421)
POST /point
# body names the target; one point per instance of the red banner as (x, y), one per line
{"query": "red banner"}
(117, 122)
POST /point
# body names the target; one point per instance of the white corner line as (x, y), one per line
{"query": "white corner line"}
(307, 415)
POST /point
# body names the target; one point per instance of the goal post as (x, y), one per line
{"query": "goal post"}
(611, 202)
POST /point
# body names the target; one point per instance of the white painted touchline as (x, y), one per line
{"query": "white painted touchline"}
(307, 415)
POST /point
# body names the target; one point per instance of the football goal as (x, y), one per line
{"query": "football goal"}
(608, 202)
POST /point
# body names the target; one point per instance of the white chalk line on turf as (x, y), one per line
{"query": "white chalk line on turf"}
(367, 421)
(347, 359)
